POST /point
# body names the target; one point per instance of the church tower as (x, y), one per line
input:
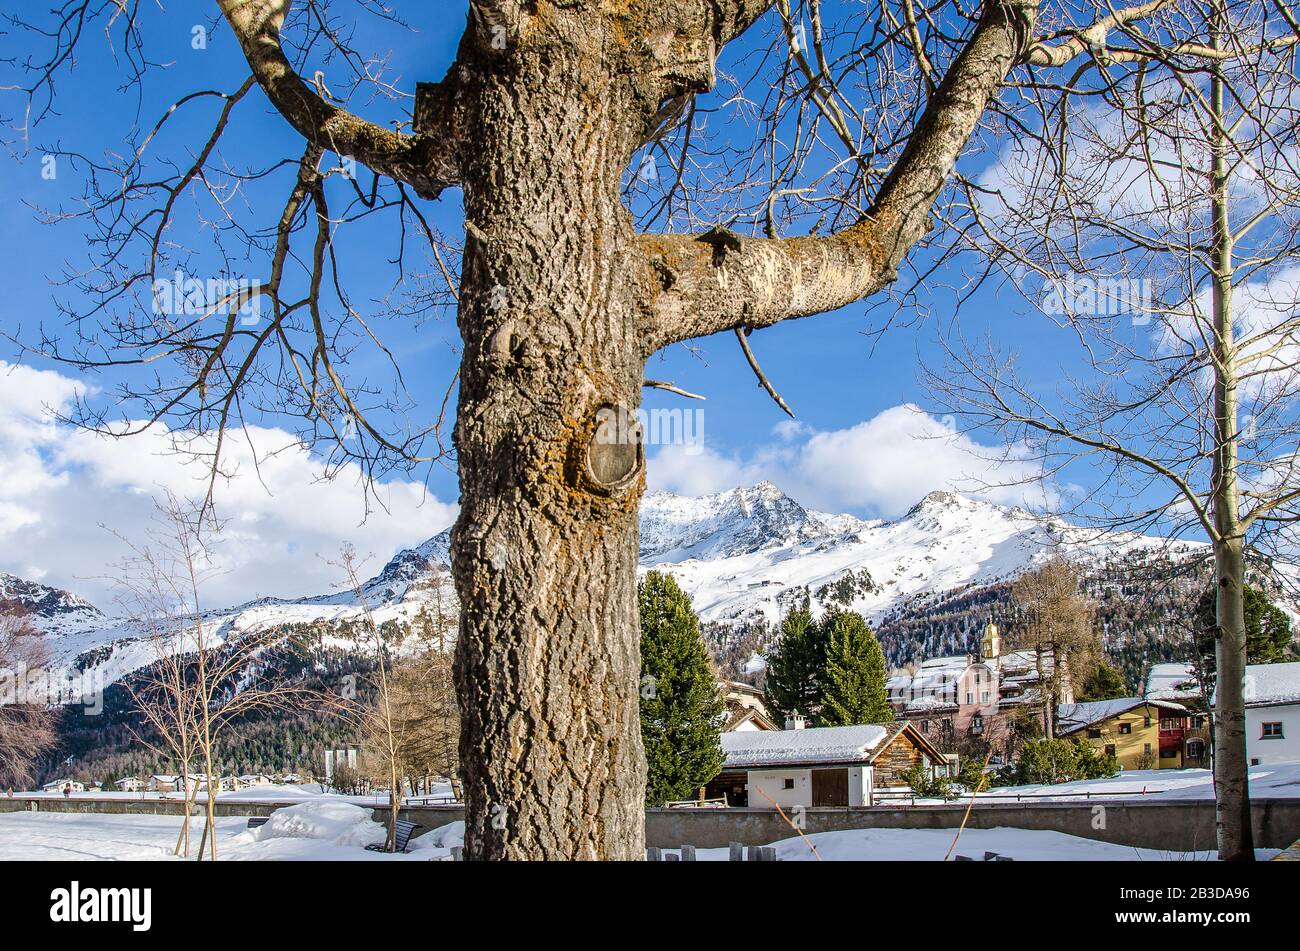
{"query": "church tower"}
(990, 643)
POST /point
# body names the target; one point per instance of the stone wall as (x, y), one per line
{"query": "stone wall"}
(1179, 826)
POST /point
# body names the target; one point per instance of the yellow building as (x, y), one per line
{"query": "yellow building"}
(1143, 734)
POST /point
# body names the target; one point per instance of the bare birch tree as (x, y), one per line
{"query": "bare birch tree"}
(1149, 205)
(205, 681)
(166, 700)
(579, 263)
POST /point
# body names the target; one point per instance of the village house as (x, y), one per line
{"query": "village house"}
(745, 707)
(1272, 713)
(820, 766)
(59, 785)
(164, 782)
(1141, 733)
(130, 784)
(971, 698)
(253, 779)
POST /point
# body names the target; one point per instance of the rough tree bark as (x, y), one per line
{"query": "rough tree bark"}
(561, 302)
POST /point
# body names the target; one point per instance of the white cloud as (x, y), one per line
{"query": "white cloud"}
(284, 521)
(881, 466)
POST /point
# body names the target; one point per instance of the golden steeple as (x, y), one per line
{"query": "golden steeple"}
(991, 642)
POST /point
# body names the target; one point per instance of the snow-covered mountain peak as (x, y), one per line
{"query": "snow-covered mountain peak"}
(942, 501)
(739, 521)
(52, 609)
(411, 565)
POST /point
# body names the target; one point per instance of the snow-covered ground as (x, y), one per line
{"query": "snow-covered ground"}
(931, 845)
(329, 830)
(1275, 781)
(337, 831)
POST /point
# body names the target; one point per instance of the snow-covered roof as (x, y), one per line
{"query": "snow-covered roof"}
(1076, 716)
(938, 674)
(930, 702)
(826, 744)
(1172, 682)
(957, 663)
(1025, 660)
(1272, 683)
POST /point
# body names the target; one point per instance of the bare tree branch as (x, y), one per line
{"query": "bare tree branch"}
(426, 161)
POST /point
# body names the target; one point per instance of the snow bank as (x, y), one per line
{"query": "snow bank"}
(444, 837)
(338, 823)
(932, 845)
(1270, 781)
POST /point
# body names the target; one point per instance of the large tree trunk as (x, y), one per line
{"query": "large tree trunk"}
(560, 304)
(545, 548)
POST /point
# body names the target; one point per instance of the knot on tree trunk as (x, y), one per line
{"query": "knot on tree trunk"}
(683, 63)
(609, 455)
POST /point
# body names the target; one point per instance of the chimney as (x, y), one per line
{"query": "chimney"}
(795, 722)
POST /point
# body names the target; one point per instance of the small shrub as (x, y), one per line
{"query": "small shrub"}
(928, 786)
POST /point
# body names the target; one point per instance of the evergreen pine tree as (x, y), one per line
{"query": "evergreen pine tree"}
(1268, 629)
(853, 688)
(681, 709)
(794, 670)
(1104, 683)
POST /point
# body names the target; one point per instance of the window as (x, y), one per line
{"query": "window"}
(925, 726)
(1195, 749)
(1198, 722)
(1125, 729)
(977, 724)
(1146, 722)
(789, 782)
(970, 698)
(1110, 749)
(1254, 761)
(1272, 731)
(984, 697)
(1146, 747)
(977, 677)
(1094, 733)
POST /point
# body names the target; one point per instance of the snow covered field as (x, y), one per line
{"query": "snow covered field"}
(319, 831)
(931, 845)
(321, 826)
(338, 831)
(1275, 781)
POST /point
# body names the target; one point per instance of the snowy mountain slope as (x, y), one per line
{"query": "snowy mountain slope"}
(90, 650)
(55, 609)
(742, 555)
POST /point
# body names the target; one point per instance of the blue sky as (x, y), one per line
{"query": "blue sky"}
(854, 447)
